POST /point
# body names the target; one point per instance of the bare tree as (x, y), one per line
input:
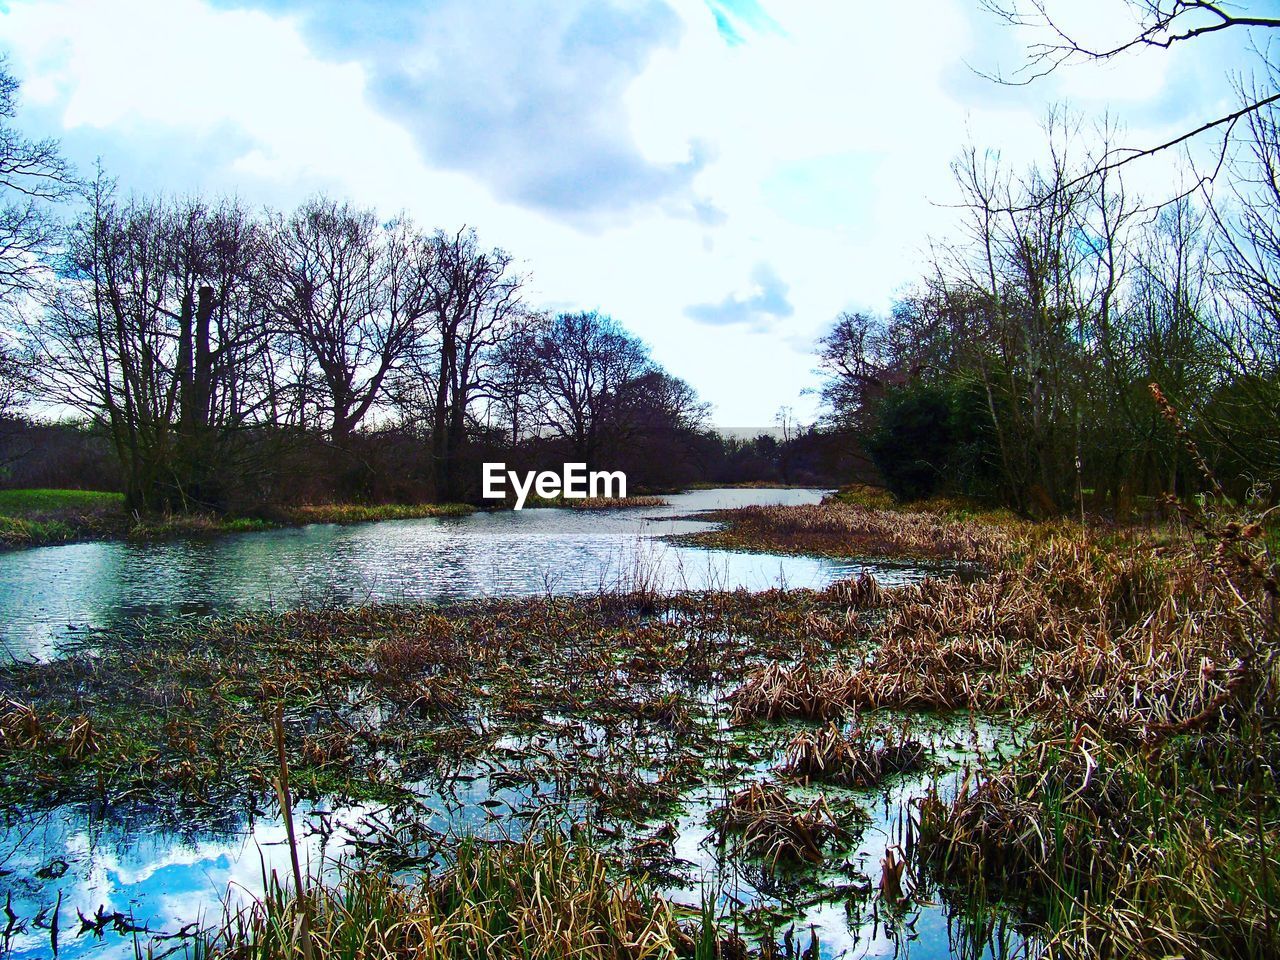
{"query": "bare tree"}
(350, 294)
(1160, 24)
(513, 389)
(648, 407)
(12, 382)
(854, 361)
(33, 174)
(1010, 291)
(472, 304)
(1247, 232)
(1246, 245)
(154, 332)
(587, 362)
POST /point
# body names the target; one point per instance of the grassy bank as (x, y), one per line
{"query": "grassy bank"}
(31, 518)
(369, 513)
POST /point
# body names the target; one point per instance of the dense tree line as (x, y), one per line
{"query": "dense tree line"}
(212, 343)
(1020, 366)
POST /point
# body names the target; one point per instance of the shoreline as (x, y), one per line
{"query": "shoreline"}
(105, 521)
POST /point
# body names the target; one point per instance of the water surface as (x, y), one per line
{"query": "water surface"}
(53, 597)
(106, 882)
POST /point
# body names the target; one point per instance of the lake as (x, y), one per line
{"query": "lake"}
(55, 597)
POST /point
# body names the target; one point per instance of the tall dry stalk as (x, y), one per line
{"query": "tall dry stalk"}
(286, 808)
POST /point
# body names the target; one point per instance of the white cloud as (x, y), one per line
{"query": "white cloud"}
(820, 146)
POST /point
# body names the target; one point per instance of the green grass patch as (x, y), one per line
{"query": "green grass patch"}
(22, 503)
(31, 518)
(369, 513)
(541, 899)
(34, 517)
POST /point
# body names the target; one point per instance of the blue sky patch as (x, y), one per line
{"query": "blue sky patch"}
(734, 18)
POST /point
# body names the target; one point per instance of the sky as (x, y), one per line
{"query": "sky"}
(724, 177)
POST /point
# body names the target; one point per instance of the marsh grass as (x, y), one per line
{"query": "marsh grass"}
(370, 694)
(765, 822)
(543, 898)
(39, 517)
(1111, 859)
(855, 759)
(836, 529)
(1142, 820)
(596, 503)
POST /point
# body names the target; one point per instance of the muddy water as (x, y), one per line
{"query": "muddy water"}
(53, 597)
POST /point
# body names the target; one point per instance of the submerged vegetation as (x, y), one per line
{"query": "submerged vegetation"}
(1140, 817)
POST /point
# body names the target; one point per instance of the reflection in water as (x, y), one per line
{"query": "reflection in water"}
(52, 596)
(122, 878)
(164, 872)
(111, 880)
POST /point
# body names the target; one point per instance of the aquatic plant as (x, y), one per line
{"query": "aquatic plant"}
(777, 692)
(830, 755)
(765, 823)
(543, 898)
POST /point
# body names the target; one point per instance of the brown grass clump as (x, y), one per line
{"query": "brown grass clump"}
(403, 655)
(777, 693)
(767, 824)
(829, 755)
(1144, 819)
(328, 749)
(20, 728)
(847, 530)
(82, 739)
(1111, 853)
(1135, 640)
(998, 827)
(953, 645)
(862, 592)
